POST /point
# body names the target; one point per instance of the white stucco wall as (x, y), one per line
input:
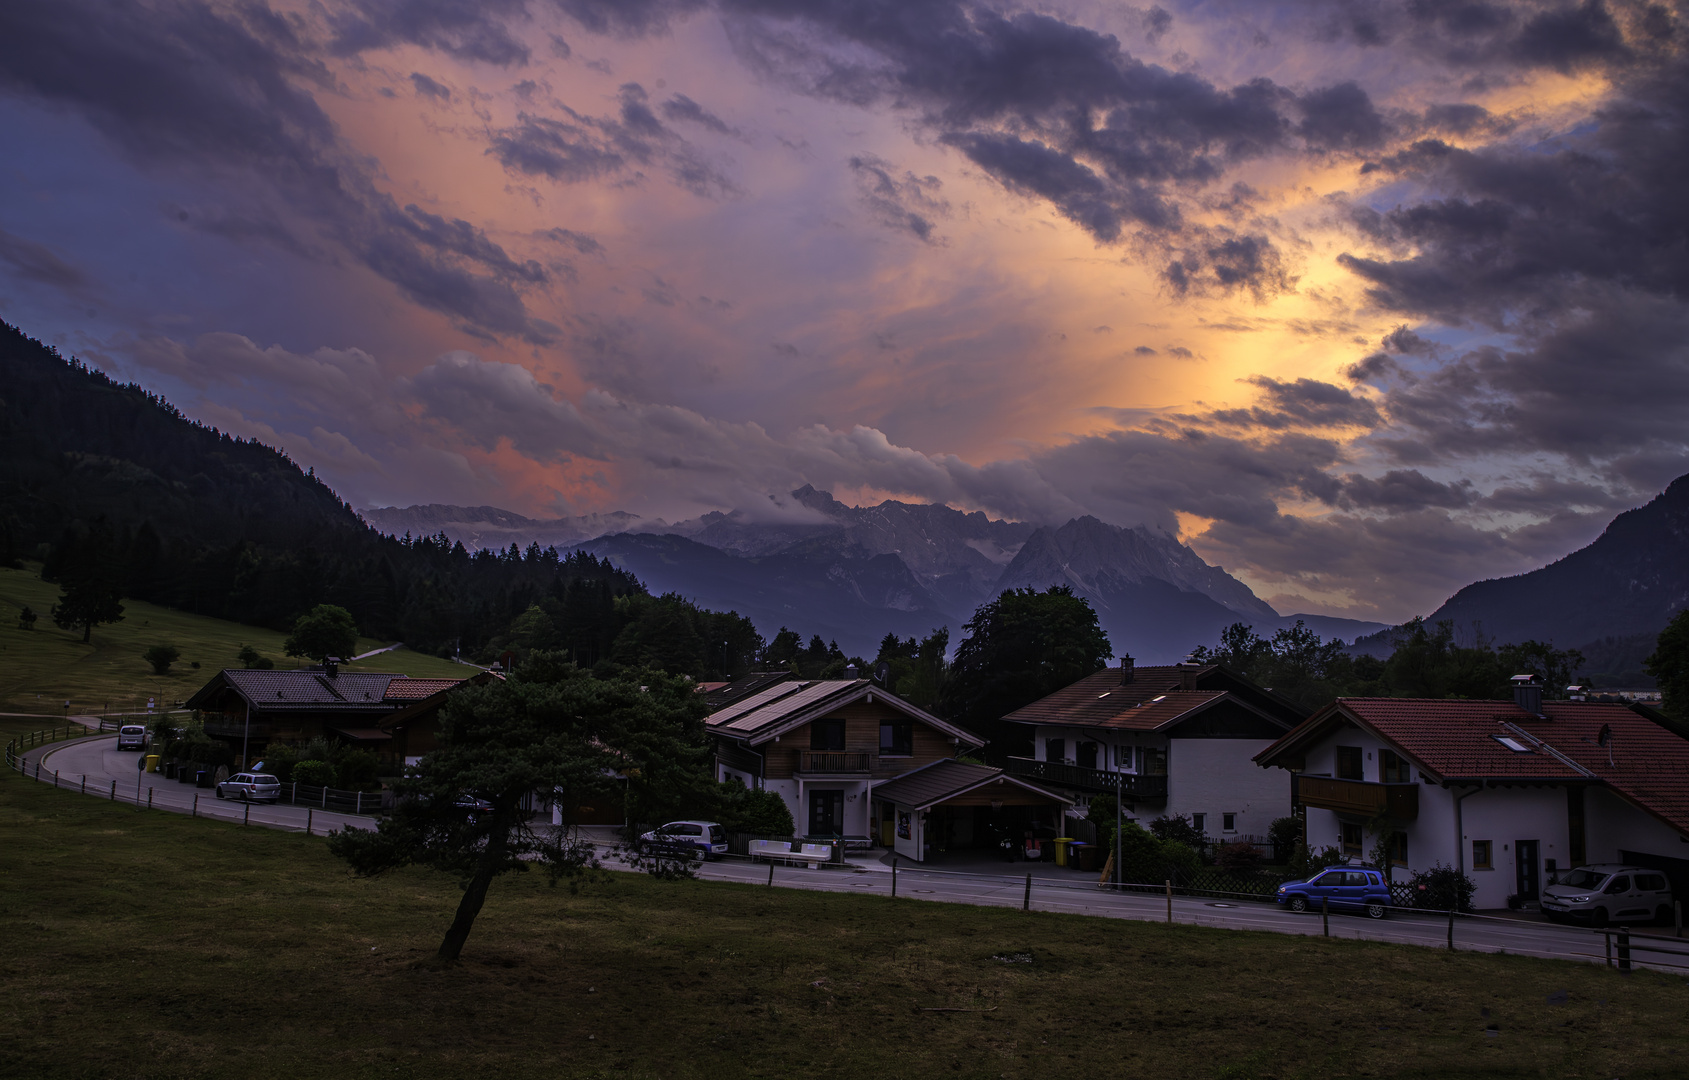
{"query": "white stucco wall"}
(1214, 777)
(1613, 825)
(856, 805)
(909, 848)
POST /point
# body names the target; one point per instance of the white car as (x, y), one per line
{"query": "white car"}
(131, 737)
(708, 837)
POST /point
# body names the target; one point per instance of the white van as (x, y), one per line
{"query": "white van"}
(131, 737)
(1608, 893)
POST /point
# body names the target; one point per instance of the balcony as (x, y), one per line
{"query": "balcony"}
(1399, 802)
(1079, 778)
(834, 762)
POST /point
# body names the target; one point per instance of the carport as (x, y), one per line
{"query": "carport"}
(956, 805)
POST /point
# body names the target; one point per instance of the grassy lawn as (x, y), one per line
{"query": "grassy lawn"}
(41, 668)
(147, 945)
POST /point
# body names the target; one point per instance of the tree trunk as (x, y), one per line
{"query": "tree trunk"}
(87, 632)
(467, 909)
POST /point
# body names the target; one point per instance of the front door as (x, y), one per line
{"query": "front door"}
(826, 813)
(1527, 876)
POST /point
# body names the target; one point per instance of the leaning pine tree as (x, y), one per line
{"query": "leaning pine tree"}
(550, 730)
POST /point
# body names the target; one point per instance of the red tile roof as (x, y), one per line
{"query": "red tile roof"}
(1457, 740)
(417, 689)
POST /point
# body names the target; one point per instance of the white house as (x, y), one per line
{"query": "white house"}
(1178, 740)
(1508, 792)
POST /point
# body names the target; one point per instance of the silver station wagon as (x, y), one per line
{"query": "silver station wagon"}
(254, 787)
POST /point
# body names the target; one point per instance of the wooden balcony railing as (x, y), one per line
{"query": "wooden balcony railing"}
(834, 762)
(1397, 801)
(1129, 785)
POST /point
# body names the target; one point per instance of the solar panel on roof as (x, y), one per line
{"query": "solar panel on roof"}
(785, 706)
(755, 701)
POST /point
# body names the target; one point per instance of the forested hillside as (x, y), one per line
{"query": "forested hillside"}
(106, 482)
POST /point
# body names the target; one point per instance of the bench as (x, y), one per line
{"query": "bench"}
(792, 851)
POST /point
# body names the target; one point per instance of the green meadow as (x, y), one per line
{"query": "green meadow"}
(42, 668)
(148, 945)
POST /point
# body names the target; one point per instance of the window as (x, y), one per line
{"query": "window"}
(1398, 848)
(1617, 886)
(827, 735)
(1055, 749)
(1351, 836)
(897, 738)
(1512, 744)
(1086, 753)
(1481, 855)
(1349, 765)
(1393, 768)
(1197, 821)
(1650, 883)
(1228, 823)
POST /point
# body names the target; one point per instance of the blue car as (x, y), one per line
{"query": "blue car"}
(1344, 888)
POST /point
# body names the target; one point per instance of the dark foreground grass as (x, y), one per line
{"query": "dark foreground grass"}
(148, 945)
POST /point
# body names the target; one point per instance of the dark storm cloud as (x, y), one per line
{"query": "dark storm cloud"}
(180, 86)
(903, 203)
(467, 29)
(628, 18)
(683, 109)
(429, 88)
(1486, 34)
(1304, 403)
(1340, 117)
(581, 242)
(1063, 113)
(1401, 490)
(574, 148)
(37, 262)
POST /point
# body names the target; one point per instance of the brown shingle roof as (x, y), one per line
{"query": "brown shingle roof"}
(946, 779)
(1153, 699)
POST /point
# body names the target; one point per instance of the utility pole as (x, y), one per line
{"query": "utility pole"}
(247, 735)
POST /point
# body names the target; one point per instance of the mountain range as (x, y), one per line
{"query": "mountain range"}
(1608, 600)
(853, 574)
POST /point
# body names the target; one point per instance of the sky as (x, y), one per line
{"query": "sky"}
(1363, 300)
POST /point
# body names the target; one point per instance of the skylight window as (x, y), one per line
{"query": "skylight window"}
(1513, 744)
(1104, 694)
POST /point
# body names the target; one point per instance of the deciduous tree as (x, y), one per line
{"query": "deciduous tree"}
(326, 630)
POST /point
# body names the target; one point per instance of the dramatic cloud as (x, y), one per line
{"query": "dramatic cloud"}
(1365, 299)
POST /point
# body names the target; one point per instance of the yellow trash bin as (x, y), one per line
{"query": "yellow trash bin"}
(152, 762)
(1061, 849)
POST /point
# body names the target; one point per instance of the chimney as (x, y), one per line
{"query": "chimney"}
(1187, 675)
(1127, 668)
(850, 671)
(1527, 694)
(331, 666)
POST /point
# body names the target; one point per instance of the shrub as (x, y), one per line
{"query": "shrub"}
(1285, 833)
(315, 773)
(356, 770)
(1305, 864)
(1441, 888)
(760, 811)
(1179, 830)
(1237, 856)
(26, 618)
(161, 657)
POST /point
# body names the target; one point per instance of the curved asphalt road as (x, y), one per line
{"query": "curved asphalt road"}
(95, 765)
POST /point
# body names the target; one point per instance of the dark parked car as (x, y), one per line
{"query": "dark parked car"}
(1344, 888)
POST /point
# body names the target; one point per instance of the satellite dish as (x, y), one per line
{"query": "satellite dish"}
(1606, 736)
(882, 670)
